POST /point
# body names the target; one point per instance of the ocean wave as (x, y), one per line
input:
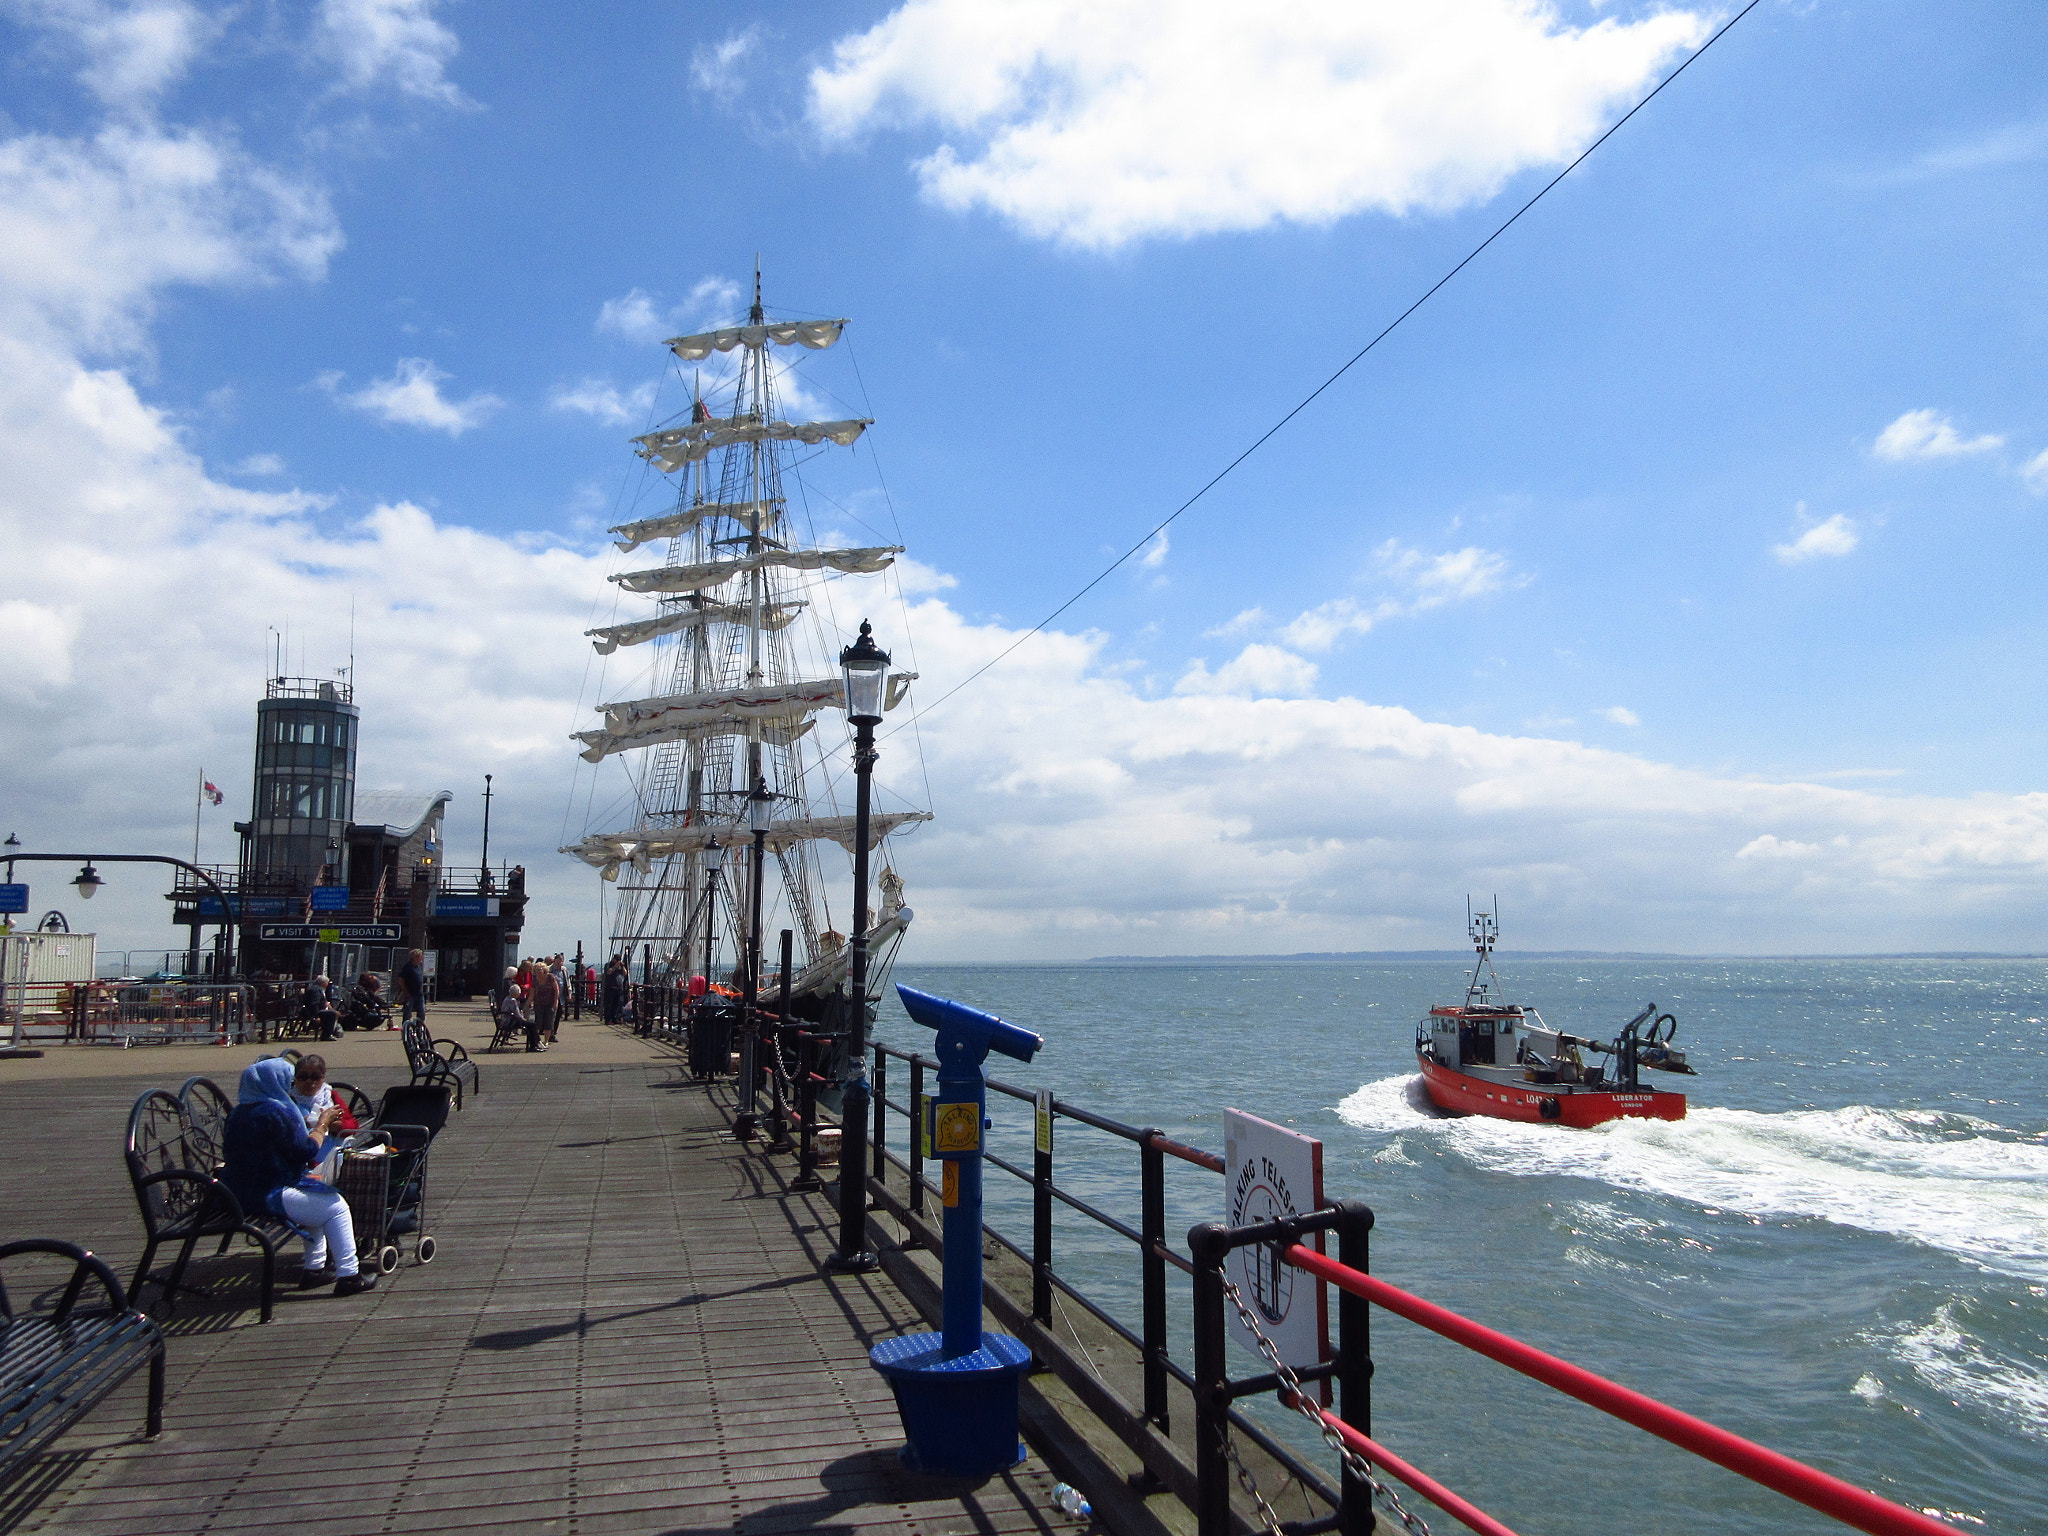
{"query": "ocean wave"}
(1954, 1183)
(1965, 1368)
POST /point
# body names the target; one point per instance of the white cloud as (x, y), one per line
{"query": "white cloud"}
(1835, 536)
(412, 397)
(1419, 581)
(1098, 122)
(715, 67)
(97, 227)
(1078, 816)
(258, 464)
(1257, 671)
(1156, 550)
(1928, 435)
(596, 397)
(133, 53)
(2035, 474)
(1619, 714)
(1248, 619)
(640, 316)
(399, 42)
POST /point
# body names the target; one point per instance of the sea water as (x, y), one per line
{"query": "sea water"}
(1841, 1252)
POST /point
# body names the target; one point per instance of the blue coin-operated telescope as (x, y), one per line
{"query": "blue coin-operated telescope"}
(957, 1390)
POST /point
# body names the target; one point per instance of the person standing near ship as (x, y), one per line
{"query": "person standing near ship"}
(615, 990)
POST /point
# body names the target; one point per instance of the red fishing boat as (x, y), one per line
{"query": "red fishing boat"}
(1487, 1056)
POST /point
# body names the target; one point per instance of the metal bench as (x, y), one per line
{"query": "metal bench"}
(438, 1062)
(57, 1365)
(181, 1204)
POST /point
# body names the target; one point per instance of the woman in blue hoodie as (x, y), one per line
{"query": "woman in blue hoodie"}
(268, 1151)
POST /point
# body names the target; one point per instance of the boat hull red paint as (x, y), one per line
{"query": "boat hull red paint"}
(1459, 1094)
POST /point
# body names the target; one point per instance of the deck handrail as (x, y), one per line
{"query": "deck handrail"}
(1830, 1495)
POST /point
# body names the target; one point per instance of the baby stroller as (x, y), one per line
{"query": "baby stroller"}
(383, 1175)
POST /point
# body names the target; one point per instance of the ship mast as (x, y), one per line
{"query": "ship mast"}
(731, 674)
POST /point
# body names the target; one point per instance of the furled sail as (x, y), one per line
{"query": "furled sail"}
(773, 617)
(687, 446)
(607, 851)
(776, 730)
(754, 516)
(815, 334)
(692, 578)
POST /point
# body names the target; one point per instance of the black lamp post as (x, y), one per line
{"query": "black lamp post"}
(486, 881)
(88, 882)
(760, 815)
(866, 670)
(714, 861)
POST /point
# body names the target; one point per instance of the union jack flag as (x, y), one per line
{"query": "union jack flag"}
(212, 793)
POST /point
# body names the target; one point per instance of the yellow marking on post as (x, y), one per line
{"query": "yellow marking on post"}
(959, 1128)
(949, 1186)
(1044, 1118)
(924, 1124)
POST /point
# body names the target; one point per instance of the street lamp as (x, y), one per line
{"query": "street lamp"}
(88, 883)
(714, 861)
(865, 667)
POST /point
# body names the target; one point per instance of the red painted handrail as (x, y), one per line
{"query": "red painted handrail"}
(1449, 1502)
(1830, 1495)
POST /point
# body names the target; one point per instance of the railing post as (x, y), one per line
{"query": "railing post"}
(771, 1040)
(881, 1147)
(1041, 1208)
(1152, 1224)
(916, 1133)
(1354, 1359)
(807, 1114)
(1209, 1242)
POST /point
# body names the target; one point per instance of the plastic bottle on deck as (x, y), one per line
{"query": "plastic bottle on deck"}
(1068, 1500)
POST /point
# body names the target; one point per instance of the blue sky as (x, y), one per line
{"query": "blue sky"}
(1674, 571)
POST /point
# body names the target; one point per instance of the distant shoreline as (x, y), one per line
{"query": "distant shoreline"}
(1464, 956)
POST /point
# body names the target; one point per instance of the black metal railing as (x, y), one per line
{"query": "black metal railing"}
(1157, 1256)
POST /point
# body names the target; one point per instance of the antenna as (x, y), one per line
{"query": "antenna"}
(1484, 928)
(757, 315)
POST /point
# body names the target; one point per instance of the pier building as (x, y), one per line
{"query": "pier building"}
(332, 879)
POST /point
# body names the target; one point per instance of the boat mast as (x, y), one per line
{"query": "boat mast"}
(1484, 928)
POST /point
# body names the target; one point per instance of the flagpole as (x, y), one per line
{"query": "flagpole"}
(198, 799)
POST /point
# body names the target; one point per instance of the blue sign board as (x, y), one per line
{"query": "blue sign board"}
(248, 906)
(13, 898)
(330, 898)
(465, 906)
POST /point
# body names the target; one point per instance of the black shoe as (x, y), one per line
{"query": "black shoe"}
(314, 1279)
(352, 1285)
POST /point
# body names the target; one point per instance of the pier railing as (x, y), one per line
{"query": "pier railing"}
(1348, 1427)
(811, 1066)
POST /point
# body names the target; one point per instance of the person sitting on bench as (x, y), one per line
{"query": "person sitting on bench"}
(268, 1153)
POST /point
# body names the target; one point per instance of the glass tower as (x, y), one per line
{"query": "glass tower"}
(305, 783)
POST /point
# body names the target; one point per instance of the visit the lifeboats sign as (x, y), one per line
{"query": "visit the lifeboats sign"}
(1271, 1173)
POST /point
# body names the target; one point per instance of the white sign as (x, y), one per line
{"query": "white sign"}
(1269, 1174)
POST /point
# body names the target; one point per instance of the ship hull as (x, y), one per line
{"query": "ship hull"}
(1458, 1093)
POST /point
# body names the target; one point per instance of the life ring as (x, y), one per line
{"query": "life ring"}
(1549, 1108)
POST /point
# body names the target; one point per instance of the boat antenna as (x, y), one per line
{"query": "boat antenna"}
(756, 315)
(1484, 927)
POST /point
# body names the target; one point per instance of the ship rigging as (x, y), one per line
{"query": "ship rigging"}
(723, 750)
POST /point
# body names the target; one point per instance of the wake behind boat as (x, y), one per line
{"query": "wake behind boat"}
(1492, 1057)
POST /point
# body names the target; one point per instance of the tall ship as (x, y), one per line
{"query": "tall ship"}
(1488, 1056)
(729, 725)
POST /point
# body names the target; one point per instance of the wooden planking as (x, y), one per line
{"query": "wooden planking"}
(626, 1331)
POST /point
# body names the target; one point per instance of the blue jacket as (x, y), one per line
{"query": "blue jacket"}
(412, 981)
(267, 1149)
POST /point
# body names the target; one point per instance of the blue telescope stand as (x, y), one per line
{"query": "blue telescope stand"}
(957, 1390)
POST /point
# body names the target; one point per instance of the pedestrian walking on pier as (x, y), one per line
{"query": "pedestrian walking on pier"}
(547, 1003)
(412, 987)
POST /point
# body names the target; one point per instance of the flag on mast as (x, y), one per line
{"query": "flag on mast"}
(211, 791)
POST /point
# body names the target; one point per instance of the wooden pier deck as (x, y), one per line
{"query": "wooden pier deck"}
(626, 1330)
